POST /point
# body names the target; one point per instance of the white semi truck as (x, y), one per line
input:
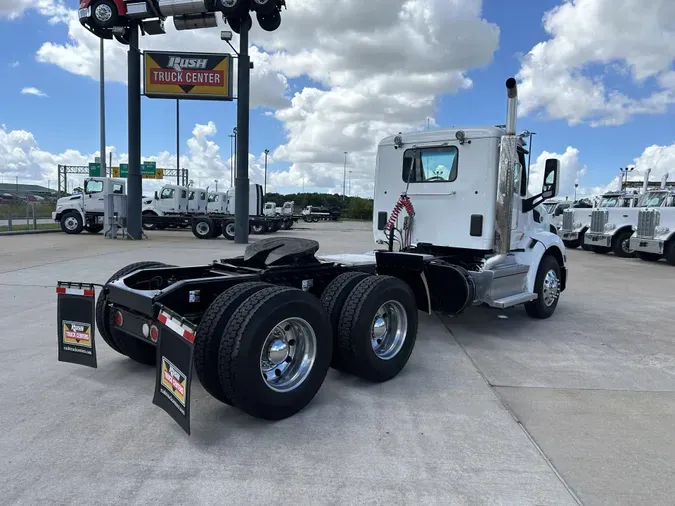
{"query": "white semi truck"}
(612, 227)
(262, 329)
(285, 212)
(577, 220)
(654, 236)
(84, 211)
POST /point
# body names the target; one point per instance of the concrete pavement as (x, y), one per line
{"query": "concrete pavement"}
(489, 410)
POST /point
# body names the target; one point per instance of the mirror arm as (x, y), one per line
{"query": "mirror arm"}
(532, 202)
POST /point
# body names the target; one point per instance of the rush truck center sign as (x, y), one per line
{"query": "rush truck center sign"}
(198, 76)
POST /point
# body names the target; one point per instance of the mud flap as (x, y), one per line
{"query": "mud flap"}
(174, 366)
(75, 314)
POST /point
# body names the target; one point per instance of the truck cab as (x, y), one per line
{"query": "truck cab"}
(612, 226)
(555, 211)
(255, 200)
(197, 200)
(654, 236)
(84, 211)
(217, 203)
(270, 209)
(170, 199)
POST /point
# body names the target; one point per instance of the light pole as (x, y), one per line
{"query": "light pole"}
(267, 151)
(344, 178)
(624, 175)
(576, 185)
(232, 164)
(350, 183)
(236, 148)
(177, 141)
(102, 171)
(216, 181)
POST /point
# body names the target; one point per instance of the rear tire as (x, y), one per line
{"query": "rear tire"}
(258, 229)
(94, 229)
(104, 319)
(378, 328)
(267, 366)
(203, 228)
(333, 300)
(621, 244)
(648, 257)
(228, 231)
(547, 288)
(210, 331)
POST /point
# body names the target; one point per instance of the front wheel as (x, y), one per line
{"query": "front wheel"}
(202, 228)
(582, 240)
(648, 257)
(621, 244)
(572, 244)
(669, 252)
(104, 13)
(547, 288)
(600, 250)
(71, 223)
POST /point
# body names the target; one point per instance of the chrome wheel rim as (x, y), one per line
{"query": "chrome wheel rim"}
(228, 3)
(625, 246)
(288, 354)
(229, 229)
(70, 223)
(551, 287)
(257, 228)
(389, 330)
(103, 13)
(203, 228)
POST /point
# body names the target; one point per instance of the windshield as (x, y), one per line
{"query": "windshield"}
(609, 201)
(652, 199)
(549, 207)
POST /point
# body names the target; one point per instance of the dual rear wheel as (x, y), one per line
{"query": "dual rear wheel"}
(266, 349)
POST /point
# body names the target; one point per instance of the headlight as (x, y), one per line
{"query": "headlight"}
(609, 227)
(661, 230)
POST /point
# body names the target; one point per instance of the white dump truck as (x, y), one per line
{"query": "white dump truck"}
(84, 211)
(261, 330)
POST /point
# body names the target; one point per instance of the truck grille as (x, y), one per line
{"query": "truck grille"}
(598, 221)
(568, 219)
(648, 220)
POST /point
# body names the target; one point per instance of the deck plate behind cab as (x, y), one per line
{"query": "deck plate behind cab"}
(281, 251)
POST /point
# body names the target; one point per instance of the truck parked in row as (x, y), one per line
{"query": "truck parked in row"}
(611, 228)
(654, 236)
(84, 211)
(262, 329)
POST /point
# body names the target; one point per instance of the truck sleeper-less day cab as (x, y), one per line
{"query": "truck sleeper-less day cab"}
(285, 212)
(262, 329)
(577, 221)
(654, 236)
(84, 211)
(612, 227)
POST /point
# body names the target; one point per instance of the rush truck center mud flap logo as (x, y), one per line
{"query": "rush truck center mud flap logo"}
(174, 367)
(75, 324)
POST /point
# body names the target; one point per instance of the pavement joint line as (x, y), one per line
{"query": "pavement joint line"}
(587, 389)
(543, 455)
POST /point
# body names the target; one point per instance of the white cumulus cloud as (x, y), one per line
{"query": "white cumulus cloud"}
(31, 90)
(630, 38)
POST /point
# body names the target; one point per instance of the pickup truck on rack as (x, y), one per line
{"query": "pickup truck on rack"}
(262, 329)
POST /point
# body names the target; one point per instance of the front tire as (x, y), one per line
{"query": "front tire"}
(547, 288)
(669, 252)
(600, 250)
(648, 257)
(71, 223)
(621, 244)
(104, 14)
(572, 244)
(582, 241)
(275, 352)
(378, 328)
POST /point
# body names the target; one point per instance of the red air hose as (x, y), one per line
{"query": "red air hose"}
(403, 202)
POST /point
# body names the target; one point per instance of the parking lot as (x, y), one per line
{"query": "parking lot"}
(493, 407)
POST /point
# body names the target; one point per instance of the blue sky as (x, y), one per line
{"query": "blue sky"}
(68, 117)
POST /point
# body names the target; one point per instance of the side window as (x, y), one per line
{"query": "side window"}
(93, 186)
(202, 196)
(167, 193)
(431, 165)
(118, 188)
(183, 194)
(192, 196)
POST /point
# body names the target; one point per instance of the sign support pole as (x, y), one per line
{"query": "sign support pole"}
(241, 188)
(134, 182)
(178, 141)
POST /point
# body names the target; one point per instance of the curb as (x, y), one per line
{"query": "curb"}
(31, 232)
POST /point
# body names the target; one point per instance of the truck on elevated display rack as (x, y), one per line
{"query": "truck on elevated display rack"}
(262, 329)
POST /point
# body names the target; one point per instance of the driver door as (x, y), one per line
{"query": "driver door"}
(94, 197)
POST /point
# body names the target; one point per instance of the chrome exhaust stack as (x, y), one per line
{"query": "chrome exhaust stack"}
(508, 158)
(664, 180)
(645, 184)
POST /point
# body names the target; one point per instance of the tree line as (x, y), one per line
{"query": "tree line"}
(355, 208)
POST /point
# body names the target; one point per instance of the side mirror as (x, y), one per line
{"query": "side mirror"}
(156, 196)
(551, 178)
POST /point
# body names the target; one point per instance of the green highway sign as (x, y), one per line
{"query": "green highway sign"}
(94, 169)
(147, 169)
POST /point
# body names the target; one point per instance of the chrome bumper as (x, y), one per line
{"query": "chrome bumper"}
(646, 245)
(598, 240)
(568, 235)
